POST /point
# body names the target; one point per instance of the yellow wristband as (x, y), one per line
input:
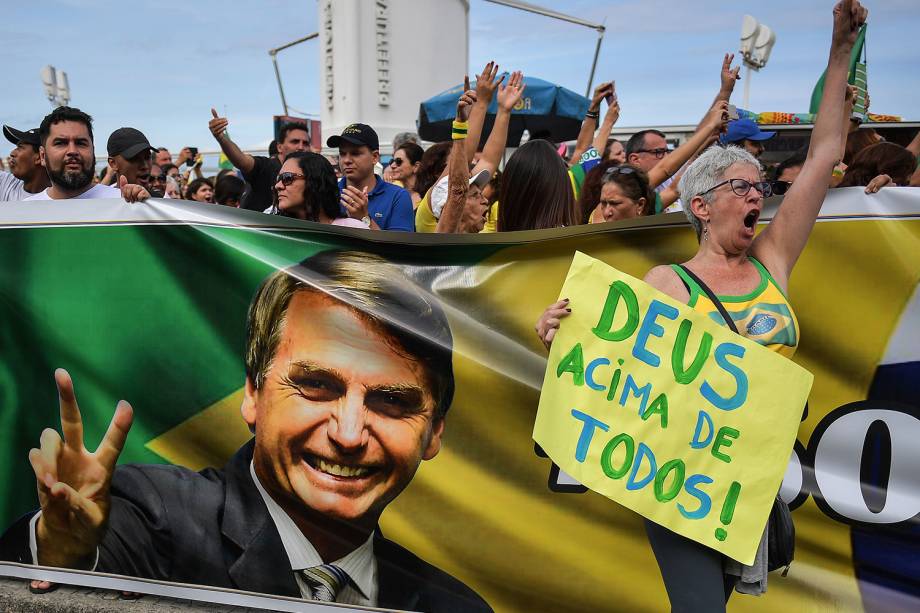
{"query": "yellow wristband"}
(459, 129)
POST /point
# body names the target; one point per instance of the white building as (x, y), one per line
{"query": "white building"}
(381, 58)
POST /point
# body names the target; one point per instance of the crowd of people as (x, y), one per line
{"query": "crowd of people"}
(543, 184)
(715, 177)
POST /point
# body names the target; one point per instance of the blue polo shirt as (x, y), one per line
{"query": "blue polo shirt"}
(390, 206)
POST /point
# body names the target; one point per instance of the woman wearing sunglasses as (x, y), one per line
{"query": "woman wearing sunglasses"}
(403, 167)
(723, 192)
(306, 189)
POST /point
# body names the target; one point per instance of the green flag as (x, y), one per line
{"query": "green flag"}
(856, 75)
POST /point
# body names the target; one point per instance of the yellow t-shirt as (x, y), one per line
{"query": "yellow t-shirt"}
(425, 220)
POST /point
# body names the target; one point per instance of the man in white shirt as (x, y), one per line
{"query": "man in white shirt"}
(27, 176)
(67, 154)
(345, 403)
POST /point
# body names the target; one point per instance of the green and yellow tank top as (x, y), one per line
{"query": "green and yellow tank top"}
(764, 315)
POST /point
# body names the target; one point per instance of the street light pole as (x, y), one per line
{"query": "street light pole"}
(274, 54)
(597, 53)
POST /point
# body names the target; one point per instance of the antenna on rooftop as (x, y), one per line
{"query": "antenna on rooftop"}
(57, 86)
(757, 42)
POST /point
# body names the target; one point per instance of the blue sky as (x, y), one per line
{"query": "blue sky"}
(161, 65)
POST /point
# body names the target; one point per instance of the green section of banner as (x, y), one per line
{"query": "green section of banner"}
(153, 315)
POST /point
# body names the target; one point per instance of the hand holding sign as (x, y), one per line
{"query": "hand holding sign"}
(659, 408)
(73, 483)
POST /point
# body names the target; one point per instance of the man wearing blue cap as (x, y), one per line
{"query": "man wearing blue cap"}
(746, 133)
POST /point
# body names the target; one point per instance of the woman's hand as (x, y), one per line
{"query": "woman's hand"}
(509, 95)
(549, 321)
(729, 75)
(466, 102)
(486, 83)
(600, 92)
(717, 118)
(849, 16)
(878, 183)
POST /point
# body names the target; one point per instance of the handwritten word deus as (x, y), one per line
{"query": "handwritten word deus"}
(573, 361)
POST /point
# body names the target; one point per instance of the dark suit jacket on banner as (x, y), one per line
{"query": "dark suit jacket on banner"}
(212, 528)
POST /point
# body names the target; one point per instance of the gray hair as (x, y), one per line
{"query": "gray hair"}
(404, 137)
(706, 172)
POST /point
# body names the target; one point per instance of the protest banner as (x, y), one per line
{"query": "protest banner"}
(661, 409)
(149, 303)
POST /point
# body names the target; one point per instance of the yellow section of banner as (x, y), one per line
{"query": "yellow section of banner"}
(490, 510)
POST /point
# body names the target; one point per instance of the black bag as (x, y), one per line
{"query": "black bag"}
(780, 529)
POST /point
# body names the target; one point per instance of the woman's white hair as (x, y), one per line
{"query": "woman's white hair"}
(706, 172)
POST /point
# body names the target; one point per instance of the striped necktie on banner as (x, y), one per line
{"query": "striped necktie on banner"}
(325, 581)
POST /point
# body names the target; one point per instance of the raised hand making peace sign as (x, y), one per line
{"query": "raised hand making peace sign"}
(73, 483)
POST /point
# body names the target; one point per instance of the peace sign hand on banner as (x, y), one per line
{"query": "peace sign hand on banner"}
(73, 483)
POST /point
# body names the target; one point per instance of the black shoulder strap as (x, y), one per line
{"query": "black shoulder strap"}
(725, 315)
(712, 297)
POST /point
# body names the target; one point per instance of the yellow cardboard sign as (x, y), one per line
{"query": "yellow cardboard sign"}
(662, 410)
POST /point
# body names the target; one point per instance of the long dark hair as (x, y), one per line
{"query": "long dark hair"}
(880, 159)
(434, 161)
(536, 192)
(321, 190)
(857, 141)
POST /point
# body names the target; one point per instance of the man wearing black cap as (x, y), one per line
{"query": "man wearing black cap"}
(129, 155)
(27, 176)
(389, 207)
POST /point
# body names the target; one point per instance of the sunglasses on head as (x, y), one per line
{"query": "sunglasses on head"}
(618, 170)
(287, 178)
(741, 187)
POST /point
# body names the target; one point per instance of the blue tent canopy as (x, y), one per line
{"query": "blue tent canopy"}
(546, 110)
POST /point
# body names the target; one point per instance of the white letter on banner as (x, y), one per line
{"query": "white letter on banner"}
(837, 466)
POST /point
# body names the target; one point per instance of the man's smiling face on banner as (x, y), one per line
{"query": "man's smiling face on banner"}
(343, 418)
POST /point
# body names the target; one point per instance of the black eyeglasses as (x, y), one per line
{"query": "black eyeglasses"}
(396, 162)
(658, 153)
(741, 187)
(287, 178)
